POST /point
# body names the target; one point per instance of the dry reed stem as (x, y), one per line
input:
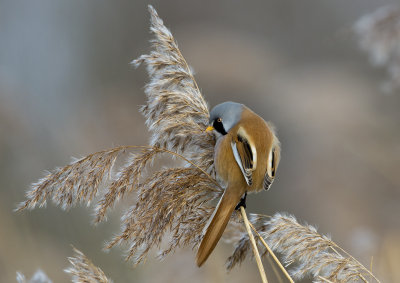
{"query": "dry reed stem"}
(324, 279)
(273, 255)
(83, 270)
(254, 246)
(371, 264)
(275, 270)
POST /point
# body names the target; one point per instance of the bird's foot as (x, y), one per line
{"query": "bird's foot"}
(242, 202)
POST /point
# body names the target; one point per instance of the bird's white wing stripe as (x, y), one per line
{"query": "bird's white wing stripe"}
(242, 132)
(246, 174)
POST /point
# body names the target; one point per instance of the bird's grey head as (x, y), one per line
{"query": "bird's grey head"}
(225, 116)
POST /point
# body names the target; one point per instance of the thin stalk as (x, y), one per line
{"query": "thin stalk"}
(273, 255)
(324, 279)
(253, 243)
(370, 266)
(276, 271)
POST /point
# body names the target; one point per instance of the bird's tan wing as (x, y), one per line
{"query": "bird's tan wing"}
(244, 156)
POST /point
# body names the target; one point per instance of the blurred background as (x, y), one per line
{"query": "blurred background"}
(67, 89)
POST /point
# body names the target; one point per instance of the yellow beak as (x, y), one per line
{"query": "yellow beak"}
(209, 128)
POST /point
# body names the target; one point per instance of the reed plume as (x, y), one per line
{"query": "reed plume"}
(83, 270)
(76, 182)
(176, 112)
(174, 201)
(304, 250)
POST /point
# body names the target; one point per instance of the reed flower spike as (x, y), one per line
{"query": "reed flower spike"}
(175, 200)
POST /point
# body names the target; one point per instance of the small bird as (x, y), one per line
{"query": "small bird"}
(246, 156)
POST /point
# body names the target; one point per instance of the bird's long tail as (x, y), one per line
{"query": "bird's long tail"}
(220, 219)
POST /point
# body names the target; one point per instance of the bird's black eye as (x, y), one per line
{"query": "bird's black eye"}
(219, 127)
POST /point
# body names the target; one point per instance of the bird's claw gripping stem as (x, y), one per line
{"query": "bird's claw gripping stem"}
(242, 202)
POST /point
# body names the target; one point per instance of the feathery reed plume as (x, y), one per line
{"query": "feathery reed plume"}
(126, 180)
(173, 200)
(76, 182)
(83, 270)
(301, 246)
(176, 112)
(38, 277)
(379, 36)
